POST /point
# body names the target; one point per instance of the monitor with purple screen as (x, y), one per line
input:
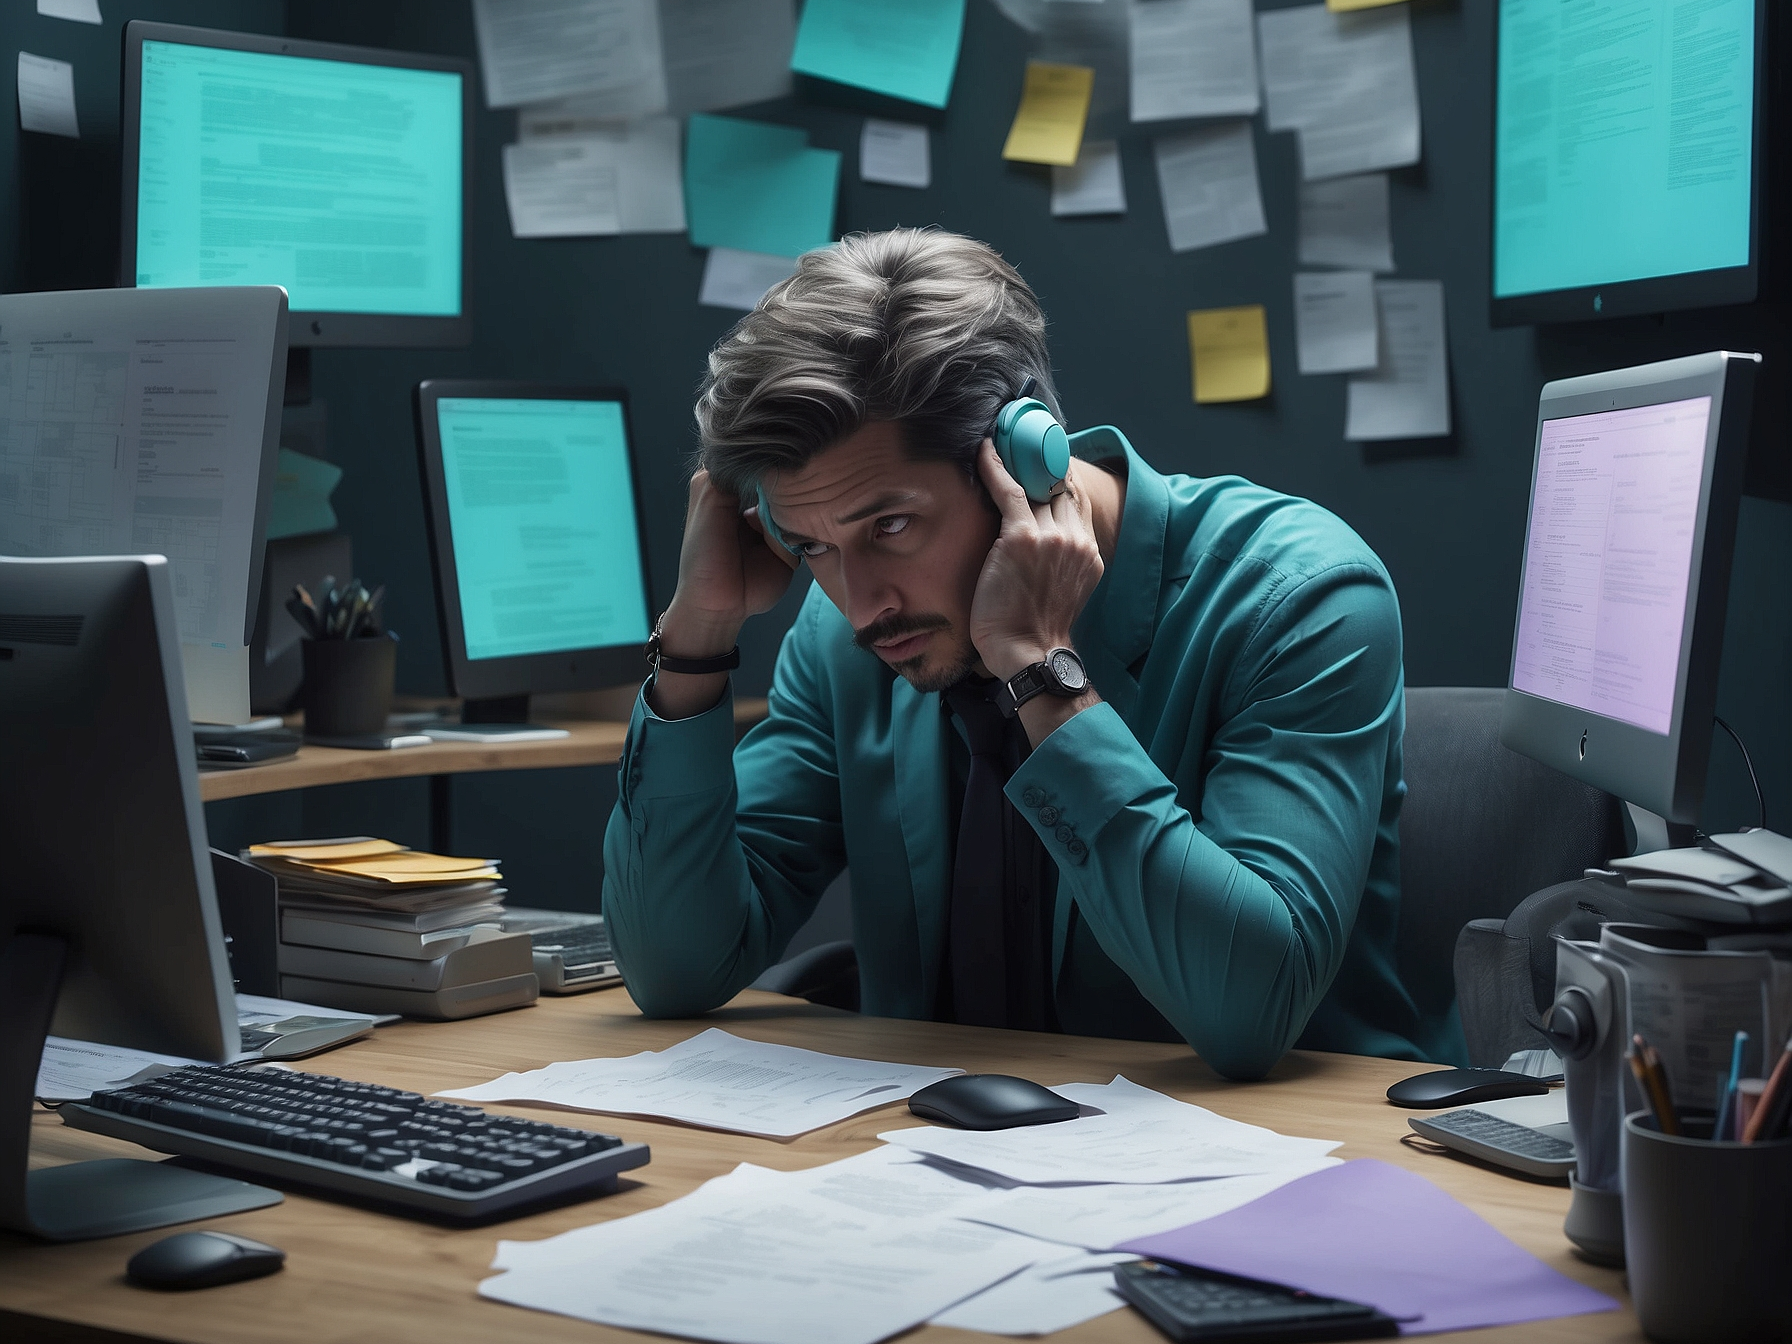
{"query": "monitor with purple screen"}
(1634, 494)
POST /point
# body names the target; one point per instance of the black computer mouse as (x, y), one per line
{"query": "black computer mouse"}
(1462, 1087)
(202, 1260)
(990, 1101)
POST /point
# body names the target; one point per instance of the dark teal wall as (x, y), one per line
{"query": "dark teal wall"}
(1447, 515)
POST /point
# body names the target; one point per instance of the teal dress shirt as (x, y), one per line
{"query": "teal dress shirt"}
(1224, 822)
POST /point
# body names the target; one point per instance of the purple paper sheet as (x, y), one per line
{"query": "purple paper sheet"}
(1370, 1232)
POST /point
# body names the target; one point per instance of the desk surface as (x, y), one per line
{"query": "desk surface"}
(356, 1275)
(590, 742)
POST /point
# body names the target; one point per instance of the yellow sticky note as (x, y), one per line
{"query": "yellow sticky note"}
(1229, 348)
(1345, 6)
(1054, 104)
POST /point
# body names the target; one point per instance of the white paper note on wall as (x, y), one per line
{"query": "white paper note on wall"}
(609, 50)
(1093, 184)
(79, 11)
(1346, 83)
(736, 279)
(1408, 395)
(1208, 180)
(723, 53)
(47, 96)
(644, 155)
(1192, 58)
(1334, 321)
(1344, 222)
(559, 189)
(895, 152)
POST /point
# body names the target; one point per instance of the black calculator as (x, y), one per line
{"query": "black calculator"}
(1200, 1304)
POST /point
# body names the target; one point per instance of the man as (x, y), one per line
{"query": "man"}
(1199, 843)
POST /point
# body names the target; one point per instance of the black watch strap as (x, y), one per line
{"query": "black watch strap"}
(689, 667)
(1043, 679)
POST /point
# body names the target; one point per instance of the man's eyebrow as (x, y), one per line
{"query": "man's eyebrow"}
(882, 504)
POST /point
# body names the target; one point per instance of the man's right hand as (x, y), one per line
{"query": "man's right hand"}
(727, 571)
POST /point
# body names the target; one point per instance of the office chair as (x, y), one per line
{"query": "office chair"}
(1482, 829)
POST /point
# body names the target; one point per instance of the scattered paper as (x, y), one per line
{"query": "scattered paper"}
(1370, 1232)
(1208, 181)
(531, 50)
(299, 502)
(639, 159)
(1043, 1299)
(906, 49)
(1344, 222)
(1192, 58)
(1054, 104)
(736, 279)
(1334, 321)
(1141, 1137)
(259, 1010)
(895, 152)
(1100, 1217)
(80, 11)
(1229, 351)
(720, 1081)
(725, 53)
(764, 1257)
(73, 1070)
(1346, 83)
(1408, 395)
(756, 187)
(1093, 184)
(47, 96)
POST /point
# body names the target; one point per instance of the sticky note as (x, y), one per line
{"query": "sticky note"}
(1345, 6)
(1229, 348)
(755, 187)
(1054, 104)
(907, 49)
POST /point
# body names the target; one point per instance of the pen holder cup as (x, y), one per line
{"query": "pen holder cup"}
(348, 685)
(1707, 1234)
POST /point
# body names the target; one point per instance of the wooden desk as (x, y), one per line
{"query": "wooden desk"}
(356, 1275)
(591, 742)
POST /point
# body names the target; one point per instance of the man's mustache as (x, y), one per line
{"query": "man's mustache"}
(892, 627)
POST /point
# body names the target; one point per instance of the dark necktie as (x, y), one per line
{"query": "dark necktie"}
(979, 936)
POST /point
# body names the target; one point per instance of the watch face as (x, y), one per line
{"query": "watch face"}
(1068, 669)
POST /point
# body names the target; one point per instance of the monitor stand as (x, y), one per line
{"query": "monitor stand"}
(498, 719)
(80, 1200)
(1656, 833)
(511, 709)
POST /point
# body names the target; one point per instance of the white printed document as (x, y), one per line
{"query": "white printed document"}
(1142, 1137)
(1192, 58)
(719, 1081)
(764, 1257)
(1346, 83)
(1334, 321)
(1408, 395)
(723, 53)
(47, 96)
(530, 50)
(1344, 222)
(1093, 185)
(1044, 1298)
(1208, 181)
(736, 279)
(895, 152)
(631, 172)
(559, 189)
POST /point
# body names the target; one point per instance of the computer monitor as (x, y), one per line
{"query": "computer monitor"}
(109, 925)
(1627, 157)
(340, 173)
(1634, 496)
(532, 497)
(141, 420)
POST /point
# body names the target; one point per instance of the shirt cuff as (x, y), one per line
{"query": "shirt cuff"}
(671, 758)
(1079, 777)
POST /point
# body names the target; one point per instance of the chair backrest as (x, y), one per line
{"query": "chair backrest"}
(1482, 828)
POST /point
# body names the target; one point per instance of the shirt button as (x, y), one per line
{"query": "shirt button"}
(1048, 816)
(1077, 849)
(1033, 797)
(1065, 835)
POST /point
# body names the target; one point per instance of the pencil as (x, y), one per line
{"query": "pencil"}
(1771, 1107)
(1651, 1077)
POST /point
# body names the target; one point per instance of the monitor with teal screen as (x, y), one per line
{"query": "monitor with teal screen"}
(1627, 157)
(535, 530)
(339, 173)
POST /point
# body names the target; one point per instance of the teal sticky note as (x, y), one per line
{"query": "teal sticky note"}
(299, 503)
(757, 187)
(904, 48)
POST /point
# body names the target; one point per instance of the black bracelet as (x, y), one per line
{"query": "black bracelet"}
(690, 667)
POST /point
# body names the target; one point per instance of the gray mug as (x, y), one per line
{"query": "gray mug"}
(1707, 1234)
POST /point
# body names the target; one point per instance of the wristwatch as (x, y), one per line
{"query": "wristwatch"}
(1061, 673)
(691, 667)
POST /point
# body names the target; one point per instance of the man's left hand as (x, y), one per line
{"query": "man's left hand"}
(1044, 565)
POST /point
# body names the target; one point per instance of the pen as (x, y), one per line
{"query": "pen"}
(1726, 1105)
(1651, 1077)
(1770, 1111)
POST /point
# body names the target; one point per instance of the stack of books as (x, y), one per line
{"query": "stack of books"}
(370, 926)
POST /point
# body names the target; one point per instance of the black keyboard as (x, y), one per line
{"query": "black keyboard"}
(394, 1148)
(1198, 1305)
(1533, 1151)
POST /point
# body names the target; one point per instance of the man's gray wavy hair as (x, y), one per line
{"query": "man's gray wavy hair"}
(930, 329)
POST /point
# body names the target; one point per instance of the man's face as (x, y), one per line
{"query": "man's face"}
(896, 544)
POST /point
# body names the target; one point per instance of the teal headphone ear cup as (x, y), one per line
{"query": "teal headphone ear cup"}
(1033, 446)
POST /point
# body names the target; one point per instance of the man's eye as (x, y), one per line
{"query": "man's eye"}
(810, 549)
(891, 526)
